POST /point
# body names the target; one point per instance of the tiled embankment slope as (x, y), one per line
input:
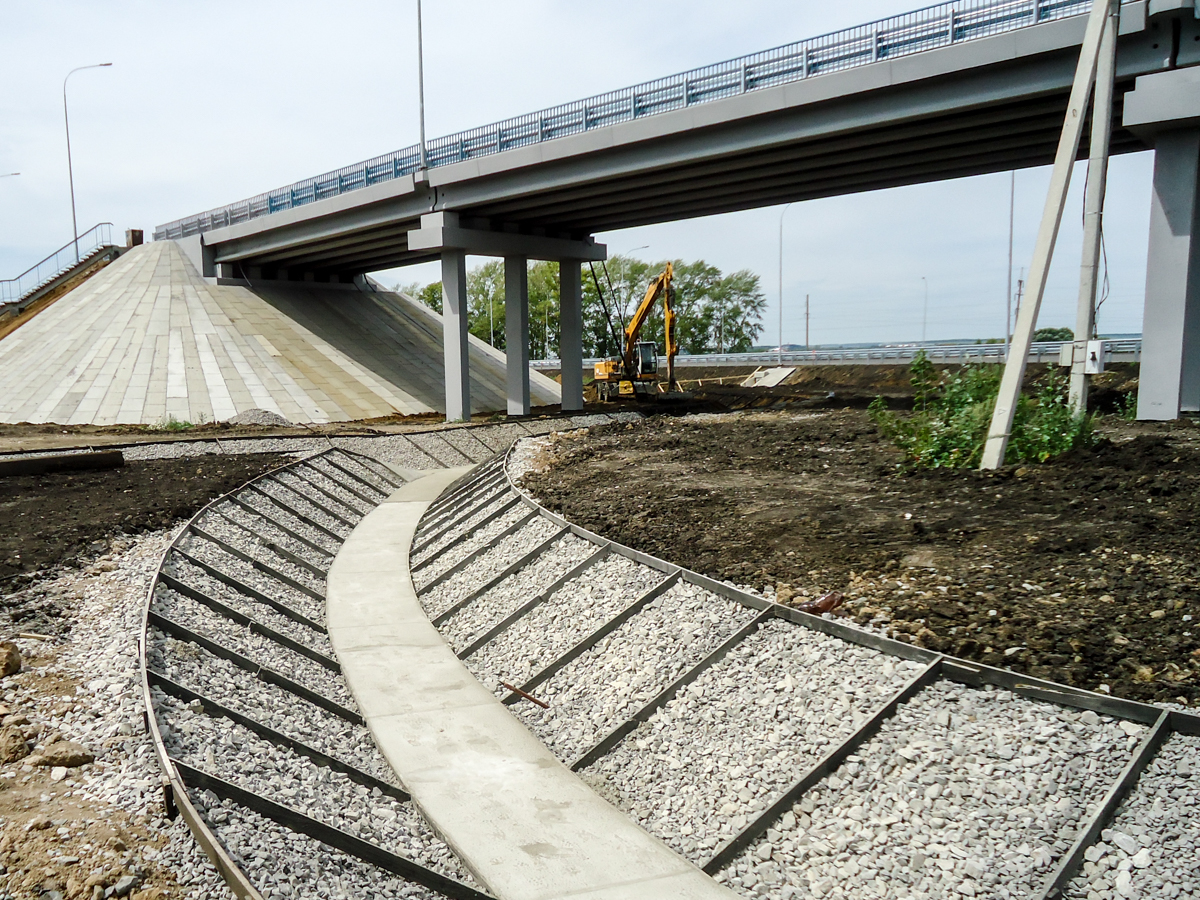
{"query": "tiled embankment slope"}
(791, 756)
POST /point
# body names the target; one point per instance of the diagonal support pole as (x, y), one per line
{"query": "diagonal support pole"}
(1056, 199)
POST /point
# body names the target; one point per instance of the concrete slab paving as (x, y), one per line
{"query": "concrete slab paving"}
(525, 825)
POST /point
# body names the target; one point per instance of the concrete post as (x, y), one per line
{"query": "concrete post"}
(570, 340)
(516, 333)
(454, 335)
(1170, 373)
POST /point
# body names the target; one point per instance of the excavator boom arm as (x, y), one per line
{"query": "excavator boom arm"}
(659, 286)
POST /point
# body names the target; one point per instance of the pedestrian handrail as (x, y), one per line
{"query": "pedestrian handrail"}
(903, 35)
(96, 238)
(1129, 349)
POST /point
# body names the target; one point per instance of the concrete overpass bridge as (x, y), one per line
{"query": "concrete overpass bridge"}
(945, 92)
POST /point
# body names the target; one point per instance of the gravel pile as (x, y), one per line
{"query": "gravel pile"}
(1151, 848)
(285, 865)
(195, 577)
(489, 609)
(486, 566)
(573, 612)
(963, 792)
(263, 651)
(614, 679)
(272, 706)
(446, 555)
(248, 543)
(268, 511)
(735, 739)
(239, 756)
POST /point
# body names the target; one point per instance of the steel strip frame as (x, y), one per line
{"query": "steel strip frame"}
(361, 480)
(462, 487)
(435, 553)
(216, 710)
(455, 518)
(303, 517)
(425, 544)
(441, 437)
(466, 495)
(314, 502)
(596, 636)
(461, 509)
(242, 588)
(304, 476)
(358, 479)
(374, 466)
(437, 463)
(249, 622)
(263, 673)
(300, 823)
(263, 540)
(599, 555)
(827, 764)
(496, 579)
(256, 563)
(614, 737)
(289, 531)
(475, 554)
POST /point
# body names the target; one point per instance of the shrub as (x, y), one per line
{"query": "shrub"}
(949, 423)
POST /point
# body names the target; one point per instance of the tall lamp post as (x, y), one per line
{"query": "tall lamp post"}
(925, 310)
(421, 83)
(70, 169)
(9, 174)
(782, 213)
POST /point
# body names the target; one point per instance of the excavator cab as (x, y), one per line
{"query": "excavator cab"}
(645, 358)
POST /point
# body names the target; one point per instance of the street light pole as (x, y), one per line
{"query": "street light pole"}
(70, 169)
(925, 313)
(1008, 294)
(10, 174)
(782, 213)
(421, 83)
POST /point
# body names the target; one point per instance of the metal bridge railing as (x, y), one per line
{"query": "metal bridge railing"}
(96, 238)
(903, 35)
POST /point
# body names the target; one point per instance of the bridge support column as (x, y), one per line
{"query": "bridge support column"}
(454, 335)
(516, 333)
(570, 340)
(1169, 381)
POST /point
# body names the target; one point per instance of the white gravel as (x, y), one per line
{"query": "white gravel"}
(963, 792)
(219, 558)
(365, 480)
(573, 612)
(458, 519)
(197, 578)
(268, 511)
(343, 503)
(300, 500)
(614, 679)
(448, 553)
(486, 566)
(250, 544)
(1151, 848)
(735, 739)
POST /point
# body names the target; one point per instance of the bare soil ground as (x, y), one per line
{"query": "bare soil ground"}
(1084, 570)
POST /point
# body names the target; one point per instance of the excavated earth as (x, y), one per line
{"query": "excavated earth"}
(1083, 570)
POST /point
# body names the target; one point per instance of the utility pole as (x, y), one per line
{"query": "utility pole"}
(925, 313)
(781, 215)
(421, 83)
(1008, 294)
(70, 168)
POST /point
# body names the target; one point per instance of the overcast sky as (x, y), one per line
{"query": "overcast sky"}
(210, 102)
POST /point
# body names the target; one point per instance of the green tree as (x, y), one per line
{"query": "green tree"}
(1054, 334)
(485, 302)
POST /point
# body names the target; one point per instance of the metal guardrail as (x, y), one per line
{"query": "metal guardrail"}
(902, 35)
(96, 238)
(1125, 350)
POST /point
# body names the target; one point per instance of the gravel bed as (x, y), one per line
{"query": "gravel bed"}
(614, 679)
(251, 527)
(396, 449)
(488, 610)
(262, 650)
(572, 613)
(274, 707)
(435, 445)
(238, 755)
(465, 442)
(466, 515)
(1151, 848)
(486, 566)
(963, 792)
(499, 438)
(270, 511)
(345, 504)
(297, 446)
(445, 556)
(178, 450)
(745, 731)
(204, 549)
(284, 865)
(339, 484)
(366, 480)
(301, 501)
(219, 590)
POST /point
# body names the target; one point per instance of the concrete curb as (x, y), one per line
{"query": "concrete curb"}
(524, 824)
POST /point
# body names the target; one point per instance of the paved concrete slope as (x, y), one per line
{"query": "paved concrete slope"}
(526, 826)
(148, 339)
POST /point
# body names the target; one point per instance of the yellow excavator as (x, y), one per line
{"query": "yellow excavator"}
(638, 364)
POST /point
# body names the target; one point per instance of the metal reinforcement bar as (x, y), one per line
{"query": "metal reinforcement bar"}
(455, 518)
(482, 523)
(496, 579)
(276, 548)
(748, 835)
(525, 608)
(344, 485)
(216, 710)
(290, 532)
(249, 622)
(465, 485)
(257, 563)
(1073, 858)
(353, 476)
(302, 516)
(618, 734)
(305, 475)
(596, 636)
(270, 676)
(243, 588)
(374, 466)
(327, 834)
(475, 554)
(324, 507)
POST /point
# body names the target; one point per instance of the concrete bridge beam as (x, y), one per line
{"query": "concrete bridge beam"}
(454, 335)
